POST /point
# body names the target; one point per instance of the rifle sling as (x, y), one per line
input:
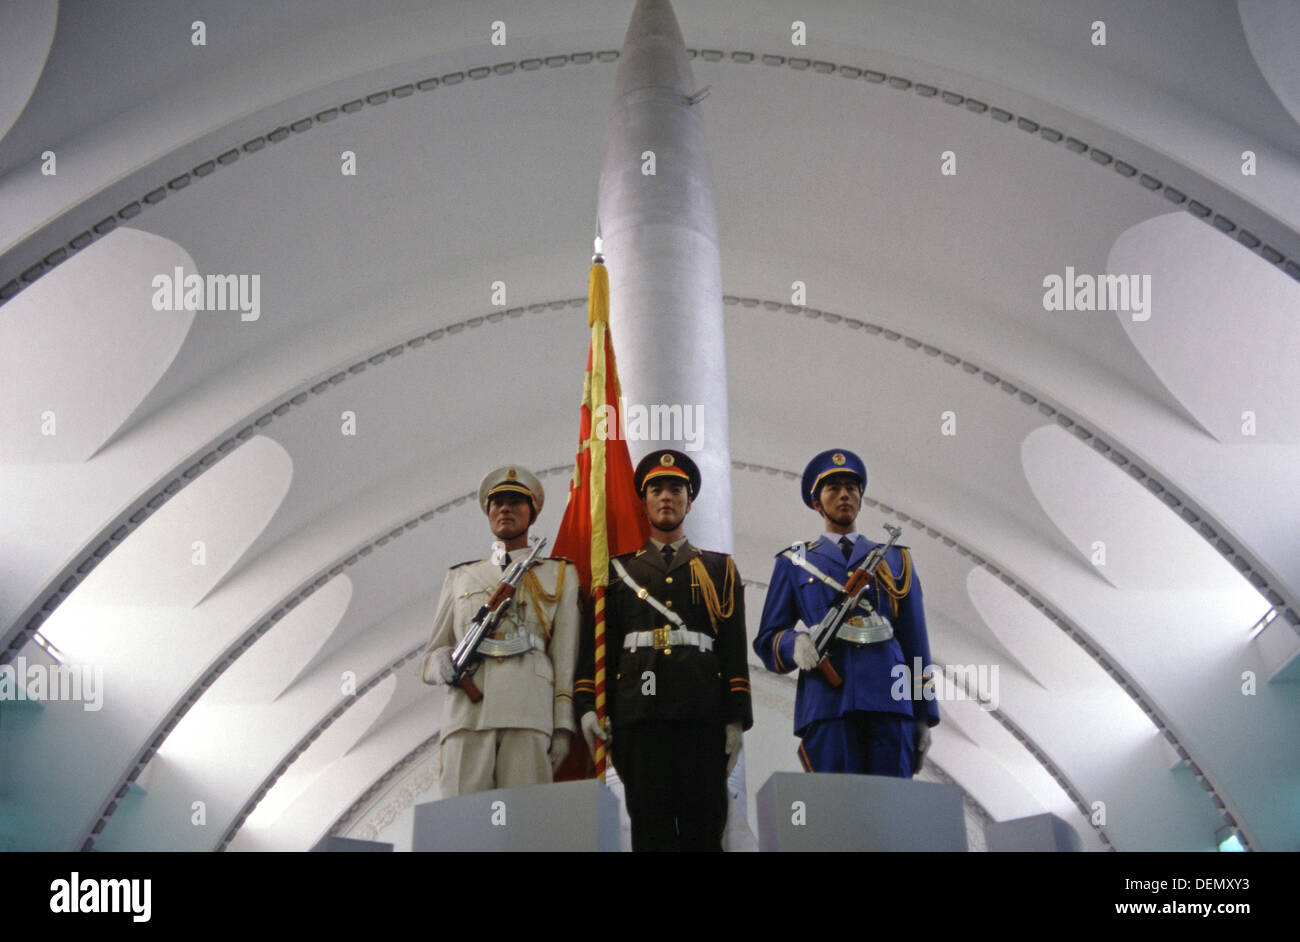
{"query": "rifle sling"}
(802, 562)
(645, 596)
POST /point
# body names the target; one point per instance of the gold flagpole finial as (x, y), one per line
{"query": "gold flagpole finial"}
(598, 289)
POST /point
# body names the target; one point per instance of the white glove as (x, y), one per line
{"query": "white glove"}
(806, 657)
(560, 741)
(442, 665)
(732, 748)
(922, 742)
(591, 731)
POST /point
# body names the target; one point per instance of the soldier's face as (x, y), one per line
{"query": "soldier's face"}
(839, 499)
(666, 504)
(508, 515)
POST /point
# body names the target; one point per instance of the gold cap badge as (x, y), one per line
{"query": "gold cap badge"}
(666, 460)
(837, 458)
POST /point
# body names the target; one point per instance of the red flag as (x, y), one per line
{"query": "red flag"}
(604, 516)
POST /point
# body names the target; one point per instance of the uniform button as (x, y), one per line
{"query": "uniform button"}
(810, 578)
(669, 580)
(669, 603)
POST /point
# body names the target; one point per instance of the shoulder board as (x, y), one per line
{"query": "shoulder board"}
(785, 549)
(468, 562)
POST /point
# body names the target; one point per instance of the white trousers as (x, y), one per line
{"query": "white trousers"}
(480, 760)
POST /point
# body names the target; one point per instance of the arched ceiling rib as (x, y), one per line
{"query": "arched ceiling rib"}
(560, 471)
(1219, 333)
(1057, 175)
(26, 32)
(286, 655)
(1227, 211)
(208, 360)
(376, 630)
(1204, 59)
(1130, 539)
(308, 819)
(335, 738)
(1270, 28)
(1099, 738)
(94, 322)
(325, 385)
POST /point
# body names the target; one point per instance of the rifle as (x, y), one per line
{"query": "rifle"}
(464, 658)
(852, 598)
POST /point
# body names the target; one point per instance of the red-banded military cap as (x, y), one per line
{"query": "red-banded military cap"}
(671, 465)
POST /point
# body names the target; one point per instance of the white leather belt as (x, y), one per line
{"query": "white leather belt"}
(512, 644)
(869, 630)
(664, 638)
(644, 595)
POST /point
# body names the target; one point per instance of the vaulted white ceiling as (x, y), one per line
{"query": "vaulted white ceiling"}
(1101, 504)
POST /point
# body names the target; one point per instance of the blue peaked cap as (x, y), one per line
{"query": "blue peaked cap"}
(833, 461)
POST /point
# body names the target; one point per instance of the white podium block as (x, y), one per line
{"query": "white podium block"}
(569, 816)
(812, 811)
(1038, 832)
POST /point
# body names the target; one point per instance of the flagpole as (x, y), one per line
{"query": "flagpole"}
(604, 516)
(598, 320)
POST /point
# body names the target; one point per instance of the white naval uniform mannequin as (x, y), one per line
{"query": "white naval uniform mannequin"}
(502, 741)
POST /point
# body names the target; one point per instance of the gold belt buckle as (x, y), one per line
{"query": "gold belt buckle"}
(660, 638)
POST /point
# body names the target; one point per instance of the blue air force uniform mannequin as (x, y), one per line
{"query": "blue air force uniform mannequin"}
(871, 723)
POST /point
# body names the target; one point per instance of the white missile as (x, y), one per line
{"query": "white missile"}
(660, 238)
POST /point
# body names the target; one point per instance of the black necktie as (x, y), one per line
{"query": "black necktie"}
(846, 547)
(505, 563)
(668, 555)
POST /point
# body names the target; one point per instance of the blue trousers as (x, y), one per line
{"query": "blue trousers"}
(858, 741)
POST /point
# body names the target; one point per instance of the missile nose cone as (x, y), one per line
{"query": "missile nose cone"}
(659, 223)
(654, 52)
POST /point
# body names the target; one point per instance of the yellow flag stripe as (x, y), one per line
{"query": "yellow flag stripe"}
(598, 320)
